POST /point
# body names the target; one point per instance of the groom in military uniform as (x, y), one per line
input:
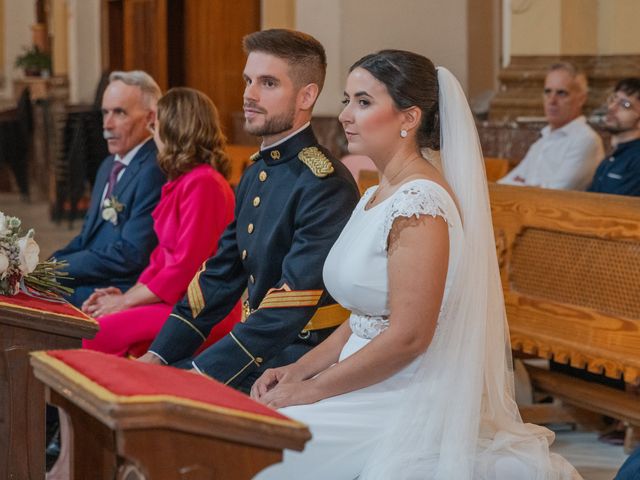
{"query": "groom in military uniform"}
(292, 204)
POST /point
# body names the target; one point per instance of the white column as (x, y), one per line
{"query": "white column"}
(84, 49)
(506, 33)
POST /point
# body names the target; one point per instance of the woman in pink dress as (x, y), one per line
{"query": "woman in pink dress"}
(196, 205)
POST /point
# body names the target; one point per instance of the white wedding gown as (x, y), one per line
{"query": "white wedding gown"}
(346, 428)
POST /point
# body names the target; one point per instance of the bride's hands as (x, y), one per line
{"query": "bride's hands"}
(291, 393)
(272, 377)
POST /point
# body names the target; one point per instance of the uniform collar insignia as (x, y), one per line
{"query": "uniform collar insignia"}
(288, 149)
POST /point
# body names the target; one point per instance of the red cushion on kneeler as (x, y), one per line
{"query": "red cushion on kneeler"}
(22, 301)
(130, 378)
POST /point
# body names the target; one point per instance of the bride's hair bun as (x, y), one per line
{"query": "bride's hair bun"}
(411, 80)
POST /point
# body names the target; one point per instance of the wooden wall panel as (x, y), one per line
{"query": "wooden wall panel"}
(145, 39)
(213, 56)
(196, 43)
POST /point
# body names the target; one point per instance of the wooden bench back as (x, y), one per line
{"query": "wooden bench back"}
(570, 269)
(496, 168)
(239, 159)
(366, 179)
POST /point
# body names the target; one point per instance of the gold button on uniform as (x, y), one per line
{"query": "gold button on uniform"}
(262, 176)
(250, 228)
(259, 360)
(256, 201)
(275, 154)
(252, 279)
(244, 254)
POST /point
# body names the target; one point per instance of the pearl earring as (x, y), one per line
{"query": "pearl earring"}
(403, 133)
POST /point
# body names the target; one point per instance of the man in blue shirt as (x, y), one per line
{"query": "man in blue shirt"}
(620, 172)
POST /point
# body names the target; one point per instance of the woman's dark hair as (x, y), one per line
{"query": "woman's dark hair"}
(189, 127)
(412, 81)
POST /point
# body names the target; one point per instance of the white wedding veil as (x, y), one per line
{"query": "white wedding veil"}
(459, 419)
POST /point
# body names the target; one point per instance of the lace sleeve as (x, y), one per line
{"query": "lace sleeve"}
(413, 200)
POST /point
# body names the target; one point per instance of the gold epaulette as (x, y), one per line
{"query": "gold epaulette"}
(317, 161)
(255, 156)
(194, 293)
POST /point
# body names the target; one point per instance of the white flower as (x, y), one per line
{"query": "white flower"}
(109, 214)
(29, 252)
(110, 209)
(4, 264)
(3, 224)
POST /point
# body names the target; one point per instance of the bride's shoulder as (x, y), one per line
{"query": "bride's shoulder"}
(425, 186)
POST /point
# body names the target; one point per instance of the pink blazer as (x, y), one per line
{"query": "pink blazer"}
(193, 211)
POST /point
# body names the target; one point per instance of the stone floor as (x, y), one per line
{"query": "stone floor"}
(594, 460)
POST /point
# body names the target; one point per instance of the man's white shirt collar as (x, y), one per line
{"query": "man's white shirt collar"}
(282, 140)
(131, 153)
(565, 129)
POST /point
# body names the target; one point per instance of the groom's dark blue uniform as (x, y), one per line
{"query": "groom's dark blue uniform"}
(291, 206)
(104, 254)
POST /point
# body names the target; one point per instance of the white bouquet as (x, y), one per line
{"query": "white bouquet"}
(20, 263)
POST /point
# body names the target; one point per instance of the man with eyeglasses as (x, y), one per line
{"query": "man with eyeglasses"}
(569, 150)
(619, 173)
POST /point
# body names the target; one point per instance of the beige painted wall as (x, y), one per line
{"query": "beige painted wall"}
(536, 30)
(59, 32)
(84, 49)
(322, 20)
(579, 27)
(350, 29)
(19, 15)
(278, 14)
(618, 27)
(575, 27)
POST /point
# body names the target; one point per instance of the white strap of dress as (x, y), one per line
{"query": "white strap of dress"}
(416, 198)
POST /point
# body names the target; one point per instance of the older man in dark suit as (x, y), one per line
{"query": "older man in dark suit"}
(117, 236)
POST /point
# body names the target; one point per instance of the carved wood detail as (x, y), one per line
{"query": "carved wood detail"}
(600, 339)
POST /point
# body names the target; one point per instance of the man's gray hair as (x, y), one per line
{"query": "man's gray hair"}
(151, 92)
(578, 75)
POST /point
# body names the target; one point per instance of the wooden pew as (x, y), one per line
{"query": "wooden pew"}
(570, 269)
(495, 167)
(28, 324)
(134, 421)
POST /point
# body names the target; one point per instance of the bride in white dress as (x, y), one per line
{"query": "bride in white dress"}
(418, 383)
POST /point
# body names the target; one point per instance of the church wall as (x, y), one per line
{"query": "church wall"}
(618, 27)
(535, 27)
(278, 14)
(352, 28)
(574, 27)
(84, 49)
(19, 15)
